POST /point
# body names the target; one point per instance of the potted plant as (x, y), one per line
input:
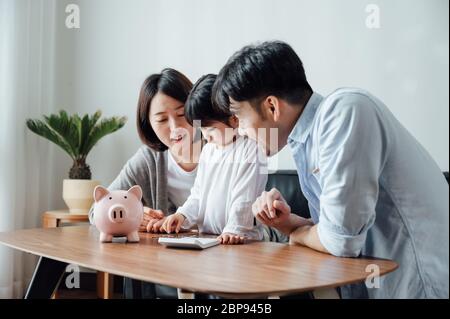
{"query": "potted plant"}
(76, 136)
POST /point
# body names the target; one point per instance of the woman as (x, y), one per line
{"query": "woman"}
(166, 165)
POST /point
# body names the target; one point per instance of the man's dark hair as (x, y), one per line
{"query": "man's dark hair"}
(199, 105)
(257, 71)
(169, 82)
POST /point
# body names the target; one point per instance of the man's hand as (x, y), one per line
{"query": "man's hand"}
(173, 223)
(151, 220)
(231, 239)
(271, 209)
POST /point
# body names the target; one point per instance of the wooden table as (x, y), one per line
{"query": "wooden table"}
(257, 269)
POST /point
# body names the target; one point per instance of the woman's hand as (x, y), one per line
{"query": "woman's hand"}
(152, 220)
(173, 223)
(231, 239)
(154, 225)
(153, 213)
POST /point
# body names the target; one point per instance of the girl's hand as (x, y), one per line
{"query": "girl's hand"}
(173, 223)
(231, 239)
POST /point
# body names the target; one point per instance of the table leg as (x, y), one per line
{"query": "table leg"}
(46, 278)
(326, 293)
(184, 294)
(105, 286)
(49, 222)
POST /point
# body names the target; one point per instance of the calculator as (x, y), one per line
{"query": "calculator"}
(189, 242)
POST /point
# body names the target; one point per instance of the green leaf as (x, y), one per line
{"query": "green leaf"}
(41, 128)
(75, 135)
(88, 126)
(105, 127)
(65, 128)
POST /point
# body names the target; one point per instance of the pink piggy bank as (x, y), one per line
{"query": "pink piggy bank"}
(118, 213)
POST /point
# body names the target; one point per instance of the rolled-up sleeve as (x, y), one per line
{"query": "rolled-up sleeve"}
(351, 155)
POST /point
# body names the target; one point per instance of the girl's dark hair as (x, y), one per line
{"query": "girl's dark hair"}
(169, 82)
(256, 71)
(199, 105)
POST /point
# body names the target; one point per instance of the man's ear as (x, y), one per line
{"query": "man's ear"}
(271, 108)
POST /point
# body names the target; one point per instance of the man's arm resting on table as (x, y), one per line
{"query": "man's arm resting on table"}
(290, 224)
(308, 236)
(302, 231)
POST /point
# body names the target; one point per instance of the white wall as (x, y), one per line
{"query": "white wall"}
(102, 64)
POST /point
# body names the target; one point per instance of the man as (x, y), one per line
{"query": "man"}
(371, 187)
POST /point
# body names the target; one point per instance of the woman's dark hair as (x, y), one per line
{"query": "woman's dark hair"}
(199, 105)
(256, 71)
(169, 82)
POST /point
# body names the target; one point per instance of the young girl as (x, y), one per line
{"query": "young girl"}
(232, 172)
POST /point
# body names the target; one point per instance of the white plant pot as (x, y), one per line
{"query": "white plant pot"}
(78, 194)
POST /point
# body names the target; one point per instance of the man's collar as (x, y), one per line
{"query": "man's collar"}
(303, 126)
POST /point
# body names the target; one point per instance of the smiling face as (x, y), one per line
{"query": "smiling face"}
(167, 119)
